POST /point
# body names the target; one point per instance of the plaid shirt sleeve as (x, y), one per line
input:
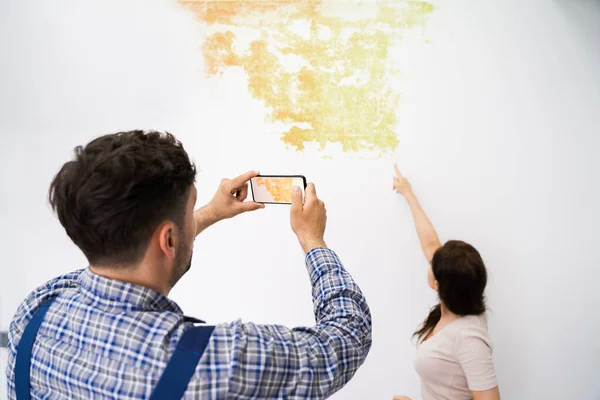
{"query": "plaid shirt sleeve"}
(271, 361)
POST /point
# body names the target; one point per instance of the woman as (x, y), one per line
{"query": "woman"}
(454, 351)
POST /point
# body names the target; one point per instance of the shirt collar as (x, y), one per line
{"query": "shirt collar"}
(123, 295)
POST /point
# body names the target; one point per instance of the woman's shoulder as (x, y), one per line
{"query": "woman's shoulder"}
(480, 320)
(473, 326)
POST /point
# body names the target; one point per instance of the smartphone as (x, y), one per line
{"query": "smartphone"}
(276, 189)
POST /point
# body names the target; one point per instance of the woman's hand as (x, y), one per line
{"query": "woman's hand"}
(401, 184)
(401, 398)
(427, 235)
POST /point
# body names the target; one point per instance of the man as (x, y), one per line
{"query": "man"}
(127, 201)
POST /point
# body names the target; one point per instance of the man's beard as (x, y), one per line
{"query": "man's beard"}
(182, 264)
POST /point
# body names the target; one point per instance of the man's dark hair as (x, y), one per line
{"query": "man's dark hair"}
(118, 189)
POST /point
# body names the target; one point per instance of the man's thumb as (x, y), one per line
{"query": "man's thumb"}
(251, 206)
(296, 199)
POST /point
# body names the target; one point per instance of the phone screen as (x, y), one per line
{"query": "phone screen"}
(273, 189)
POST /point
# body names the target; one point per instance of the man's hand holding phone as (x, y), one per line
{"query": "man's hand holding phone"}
(228, 201)
(308, 220)
(308, 216)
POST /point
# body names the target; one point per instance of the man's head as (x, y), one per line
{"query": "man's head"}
(127, 197)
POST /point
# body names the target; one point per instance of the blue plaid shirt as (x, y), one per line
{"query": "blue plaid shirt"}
(106, 339)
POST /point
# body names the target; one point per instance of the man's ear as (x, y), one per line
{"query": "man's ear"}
(167, 239)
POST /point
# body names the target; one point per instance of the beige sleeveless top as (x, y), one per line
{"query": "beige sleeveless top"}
(456, 360)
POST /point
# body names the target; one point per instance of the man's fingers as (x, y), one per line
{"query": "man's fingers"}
(251, 206)
(242, 193)
(296, 200)
(311, 192)
(242, 179)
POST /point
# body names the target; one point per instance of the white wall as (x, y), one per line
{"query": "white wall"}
(499, 135)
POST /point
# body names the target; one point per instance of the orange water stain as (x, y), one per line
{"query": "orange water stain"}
(341, 93)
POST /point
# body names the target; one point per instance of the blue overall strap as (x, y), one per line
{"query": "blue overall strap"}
(181, 367)
(24, 350)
